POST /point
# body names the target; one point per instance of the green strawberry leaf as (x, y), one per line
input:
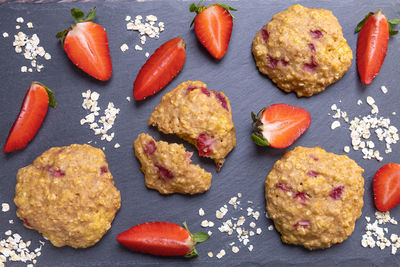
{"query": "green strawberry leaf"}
(200, 237)
(77, 14)
(361, 23)
(192, 7)
(391, 23)
(91, 15)
(52, 100)
(260, 141)
(254, 116)
(61, 35)
(192, 254)
(228, 8)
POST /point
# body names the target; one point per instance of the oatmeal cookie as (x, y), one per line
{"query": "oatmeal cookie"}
(302, 50)
(200, 116)
(168, 168)
(68, 195)
(314, 197)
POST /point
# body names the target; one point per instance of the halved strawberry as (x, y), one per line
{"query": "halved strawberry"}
(279, 125)
(372, 44)
(386, 186)
(162, 238)
(86, 44)
(213, 26)
(30, 117)
(163, 65)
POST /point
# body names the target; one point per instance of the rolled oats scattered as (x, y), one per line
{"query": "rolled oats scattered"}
(106, 122)
(5, 207)
(5, 34)
(362, 128)
(30, 49)
(124, 47)
(201, 212)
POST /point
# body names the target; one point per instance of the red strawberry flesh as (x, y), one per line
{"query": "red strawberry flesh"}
(316, 34)
(302, 223)
(163, 172)
(372, 46)
(386, 186)
(282, 124)
(56, 172)
(312, 173)
(213, 27)
(301, 197)
(336, 192)
(32, 113)
(205, 144)
(150, 148)
(265, 35)
(87, 47)
(161, 67)
(221, 98)
(310, 67)
(283, 187)
(103, 169)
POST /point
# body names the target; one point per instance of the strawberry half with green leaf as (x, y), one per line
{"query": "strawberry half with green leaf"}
(86, 44)
(162, 238)
(213, 26)
(30, 117)
(386, 186)
(279, 125)
(372, 44)
(163, 65)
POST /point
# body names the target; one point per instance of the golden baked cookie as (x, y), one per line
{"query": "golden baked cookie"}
(168, 167)
(302, 50)
(314, 197)
(68, 195)
(200, 116)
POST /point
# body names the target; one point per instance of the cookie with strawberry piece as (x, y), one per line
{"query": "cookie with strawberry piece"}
(200, 116)
(314, 197)
(168, 167)
(302, 50)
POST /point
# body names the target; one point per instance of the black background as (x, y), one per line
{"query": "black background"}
(247, 165)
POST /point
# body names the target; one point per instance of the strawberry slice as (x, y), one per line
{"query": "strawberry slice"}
(372, 44)
(213, 26)
(279, 125)
(386, 186)
(162, 238)
(166, 62)
(86, 44)
(30, 117)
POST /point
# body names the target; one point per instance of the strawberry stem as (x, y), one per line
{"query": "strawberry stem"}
(197, 237)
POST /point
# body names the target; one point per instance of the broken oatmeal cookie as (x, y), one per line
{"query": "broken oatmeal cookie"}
(200, 116)
(168, 167)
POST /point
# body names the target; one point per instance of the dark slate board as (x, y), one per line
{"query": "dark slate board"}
(246, 167)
